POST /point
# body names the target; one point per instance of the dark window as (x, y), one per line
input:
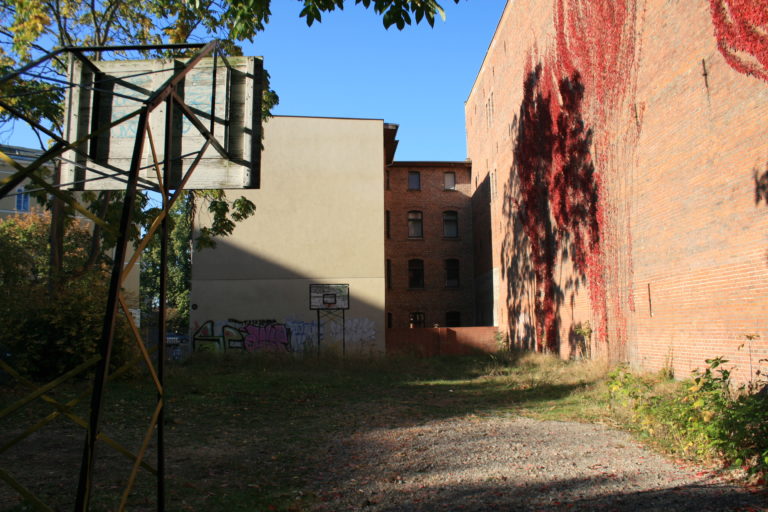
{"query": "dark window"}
(414, 180)
(451, 273)
(386, 179)
(453, 319)
(389, 274)
(416, 320)
(450, 224)
(415, 273)
(449, 181)
(22, 200)
(386, 223)
(415, 226)
(389, 320)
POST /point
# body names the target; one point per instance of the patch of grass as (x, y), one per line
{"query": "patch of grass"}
(702, 418)
(249, 432)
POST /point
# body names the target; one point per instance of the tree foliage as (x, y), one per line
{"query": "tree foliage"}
(178, 271)
(47, 335)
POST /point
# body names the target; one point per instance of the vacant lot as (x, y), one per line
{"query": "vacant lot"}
(252, 434)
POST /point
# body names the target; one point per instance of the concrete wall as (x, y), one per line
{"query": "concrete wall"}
(435, 298)
(319, 219)
(626, 144)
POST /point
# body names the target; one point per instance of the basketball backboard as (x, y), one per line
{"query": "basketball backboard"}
(224, 93)
(328, 296)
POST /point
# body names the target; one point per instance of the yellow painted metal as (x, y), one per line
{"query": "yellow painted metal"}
(140, 343)
(24, 492)
(156, 165)
(44, 389)
(142, 451)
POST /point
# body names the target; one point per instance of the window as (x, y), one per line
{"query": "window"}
(386, 179)
(449, 181)
(22, 200)
(414, 180)
(416, 320)
(389, 320)
(389, 274)
(415, 226)
(450, 224)
(453, 319)
(451, 273)
(386, 223)
(415, 273)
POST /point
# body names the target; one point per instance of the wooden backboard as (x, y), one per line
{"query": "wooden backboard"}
(225, 94)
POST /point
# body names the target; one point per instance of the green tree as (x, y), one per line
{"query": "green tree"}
(178, 271)
(47, 335)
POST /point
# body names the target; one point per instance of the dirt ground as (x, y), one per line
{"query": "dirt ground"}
(516, 463)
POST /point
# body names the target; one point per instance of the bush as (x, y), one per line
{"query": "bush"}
(700, 416)
(51, 327)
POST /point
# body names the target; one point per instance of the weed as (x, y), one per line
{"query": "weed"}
(700, 417)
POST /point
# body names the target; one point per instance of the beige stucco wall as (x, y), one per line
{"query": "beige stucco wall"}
(319, 219)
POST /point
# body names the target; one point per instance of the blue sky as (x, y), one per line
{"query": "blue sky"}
(350, 66)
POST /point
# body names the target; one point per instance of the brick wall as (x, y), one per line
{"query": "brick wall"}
(442, 341)
(674, 264)
(435, 299)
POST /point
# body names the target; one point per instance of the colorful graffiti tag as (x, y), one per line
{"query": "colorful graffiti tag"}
(293, 335)
(248, 335)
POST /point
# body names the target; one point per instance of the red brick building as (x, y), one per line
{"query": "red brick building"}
(619, 153)
(429, 244)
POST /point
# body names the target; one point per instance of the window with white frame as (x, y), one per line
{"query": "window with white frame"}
(22, 200)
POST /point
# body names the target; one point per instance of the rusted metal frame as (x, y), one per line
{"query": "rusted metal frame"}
(160, 216)
(44, 389)
(25, 493)
(167, 88)
(56, 150)
(65, 409)
(163, 291)
(156, 163)
(212, 125)
(144, 445)
(199, 125)
(134, 47)
(139, 342)
(16, 113)
(34, 63)
(86, 469)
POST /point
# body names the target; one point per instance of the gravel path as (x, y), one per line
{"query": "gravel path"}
(478, 464)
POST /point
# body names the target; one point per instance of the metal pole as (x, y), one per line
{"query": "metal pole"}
(162, 306)
(108, 330)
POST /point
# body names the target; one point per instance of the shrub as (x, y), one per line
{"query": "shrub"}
(701, 416)
(50, 327)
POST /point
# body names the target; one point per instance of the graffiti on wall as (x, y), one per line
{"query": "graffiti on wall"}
(293, 335)
(247, 335)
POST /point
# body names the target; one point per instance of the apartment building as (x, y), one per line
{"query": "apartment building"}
(428, 244)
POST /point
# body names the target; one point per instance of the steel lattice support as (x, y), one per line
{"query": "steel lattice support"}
(165, 95)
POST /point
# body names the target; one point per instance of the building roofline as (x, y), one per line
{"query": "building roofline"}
(333, 117)
(496, 31)
(430, 163)
(21, 152)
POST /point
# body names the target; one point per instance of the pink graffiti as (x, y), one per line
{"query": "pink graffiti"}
(268, 337)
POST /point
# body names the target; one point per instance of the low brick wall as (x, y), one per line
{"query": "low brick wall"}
(428, 342)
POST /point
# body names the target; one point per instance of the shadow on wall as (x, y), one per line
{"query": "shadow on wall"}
(243, 302)
(761, 190)
(551, 210)
(483, 253)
